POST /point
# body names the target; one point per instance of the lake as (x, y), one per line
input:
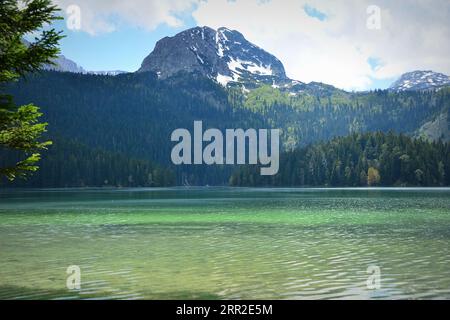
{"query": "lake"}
(225, 243)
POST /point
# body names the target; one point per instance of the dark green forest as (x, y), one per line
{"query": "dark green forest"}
(128, 119)
(72, 164)
(358, 160)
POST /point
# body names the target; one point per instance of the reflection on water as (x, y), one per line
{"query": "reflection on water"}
(225, 243)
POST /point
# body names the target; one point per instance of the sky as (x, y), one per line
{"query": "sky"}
(351, 44)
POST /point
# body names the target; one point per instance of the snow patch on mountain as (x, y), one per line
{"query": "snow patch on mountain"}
(420, 80)
(224, 80)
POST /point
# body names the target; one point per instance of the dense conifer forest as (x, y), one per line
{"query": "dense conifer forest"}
(358, 160)
(115, 131)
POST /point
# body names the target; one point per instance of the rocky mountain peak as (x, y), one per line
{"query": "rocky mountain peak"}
(420, 80)
(223, 55)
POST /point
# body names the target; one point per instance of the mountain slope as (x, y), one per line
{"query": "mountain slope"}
(60, 63)
(420, 80)
(436, 129)
(63, 64)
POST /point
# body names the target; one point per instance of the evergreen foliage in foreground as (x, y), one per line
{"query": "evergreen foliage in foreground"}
(20, 129)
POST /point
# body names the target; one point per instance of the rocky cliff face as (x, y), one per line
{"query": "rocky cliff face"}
(436, 129)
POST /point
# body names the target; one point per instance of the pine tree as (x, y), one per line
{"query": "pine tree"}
(20, 129)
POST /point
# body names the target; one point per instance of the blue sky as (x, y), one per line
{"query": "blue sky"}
(317, 40)
(123, 49)
(313, 12)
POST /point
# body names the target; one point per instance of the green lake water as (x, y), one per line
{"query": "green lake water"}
(223, 243)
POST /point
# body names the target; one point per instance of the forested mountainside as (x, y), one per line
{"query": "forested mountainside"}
(134, 114)
(311, 117)
(358, 160)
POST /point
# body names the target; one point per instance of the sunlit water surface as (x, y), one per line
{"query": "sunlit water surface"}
(214, 243)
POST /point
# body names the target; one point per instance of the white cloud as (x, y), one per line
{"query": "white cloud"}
(103, 16)
(414, 35)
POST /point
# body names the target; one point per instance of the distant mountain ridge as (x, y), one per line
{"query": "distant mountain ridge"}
(107, 73)
(60, 63)
(63, 64)
(420, 80)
